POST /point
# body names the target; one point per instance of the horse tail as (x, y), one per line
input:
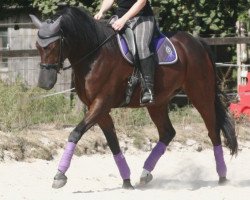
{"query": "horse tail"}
(224, 121)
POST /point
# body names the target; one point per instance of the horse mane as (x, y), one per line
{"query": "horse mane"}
(81, 29)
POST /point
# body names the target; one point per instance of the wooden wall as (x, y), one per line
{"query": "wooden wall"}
(27, 70)
(20, 60)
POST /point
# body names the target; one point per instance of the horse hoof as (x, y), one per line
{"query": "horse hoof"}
(146, 179)
(223, 181)
(127, 185)
(59, 180)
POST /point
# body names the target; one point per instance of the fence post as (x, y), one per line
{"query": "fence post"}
(1, 46)
(241, 53)
(238, 54)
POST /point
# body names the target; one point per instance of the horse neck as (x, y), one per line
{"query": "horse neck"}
(88, 51)
(89, 44)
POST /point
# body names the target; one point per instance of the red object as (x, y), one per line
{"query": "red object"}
(243, 106)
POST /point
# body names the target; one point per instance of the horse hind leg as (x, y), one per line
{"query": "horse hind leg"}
(166, 132)
(203, 99)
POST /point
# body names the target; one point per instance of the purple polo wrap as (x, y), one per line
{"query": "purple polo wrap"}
(122, 166)
(66, 157)
(154, 156)
(221, 167)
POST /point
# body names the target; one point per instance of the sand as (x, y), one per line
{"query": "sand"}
(180, 174)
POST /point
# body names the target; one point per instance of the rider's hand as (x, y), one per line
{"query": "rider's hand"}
(119, 24)
(98, 16)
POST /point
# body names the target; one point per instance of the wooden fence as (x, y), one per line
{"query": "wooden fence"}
(27, 70)
(25, 63)
(20, 59)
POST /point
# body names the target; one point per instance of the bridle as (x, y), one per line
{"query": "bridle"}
(59, 65)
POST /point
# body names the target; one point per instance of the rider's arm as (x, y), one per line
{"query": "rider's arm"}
(134, 10)
(106, 5)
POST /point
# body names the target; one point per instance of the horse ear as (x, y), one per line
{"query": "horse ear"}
(56, 25)
(36, 21)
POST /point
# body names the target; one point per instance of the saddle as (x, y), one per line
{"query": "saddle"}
(161, 45)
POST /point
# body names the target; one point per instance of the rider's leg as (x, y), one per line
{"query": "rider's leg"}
(144, 29)
(148, 70)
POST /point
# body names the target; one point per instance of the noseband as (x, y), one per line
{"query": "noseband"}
(59, 65)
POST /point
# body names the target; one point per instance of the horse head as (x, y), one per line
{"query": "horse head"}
(49, 44)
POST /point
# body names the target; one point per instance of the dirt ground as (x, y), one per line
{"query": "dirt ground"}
(186, 171)
(45, 141)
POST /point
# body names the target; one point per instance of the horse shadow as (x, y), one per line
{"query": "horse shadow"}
(96, 191)
(174, 184)
(241, 183)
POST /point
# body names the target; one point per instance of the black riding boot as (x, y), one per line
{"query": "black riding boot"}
(148, 71)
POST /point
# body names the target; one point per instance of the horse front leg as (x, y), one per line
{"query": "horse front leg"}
(95, 111)
(107, 126)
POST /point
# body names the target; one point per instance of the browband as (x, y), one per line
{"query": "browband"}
(49, 36)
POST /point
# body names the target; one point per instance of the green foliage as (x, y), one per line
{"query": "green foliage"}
(130, 117)
(15, 3)
(50, 6)
(185, 115)
(204, 17)
(200, 17)
(20, 107)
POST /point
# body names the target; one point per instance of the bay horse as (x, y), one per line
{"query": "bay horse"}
(101, 75)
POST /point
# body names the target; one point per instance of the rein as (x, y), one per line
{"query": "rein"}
(91, 52)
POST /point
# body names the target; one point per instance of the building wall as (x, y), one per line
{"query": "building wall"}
(23, 68)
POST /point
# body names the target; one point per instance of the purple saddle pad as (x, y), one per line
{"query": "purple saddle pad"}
(162, 46)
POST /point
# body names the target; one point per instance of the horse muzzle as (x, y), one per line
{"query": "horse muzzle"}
(47, 77)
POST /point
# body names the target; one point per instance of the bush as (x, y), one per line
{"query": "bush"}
(21, 107)
(131, 117)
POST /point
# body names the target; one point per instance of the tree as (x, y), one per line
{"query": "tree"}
(12, 7)
(14, 3)
(48, 7)
(206, 17)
